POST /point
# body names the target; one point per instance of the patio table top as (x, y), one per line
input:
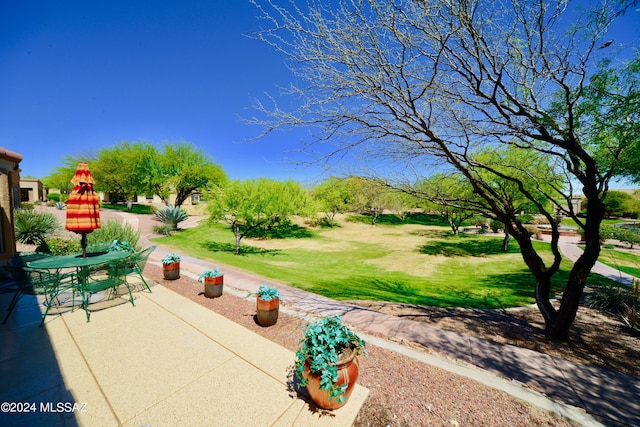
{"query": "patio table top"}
(77, 261)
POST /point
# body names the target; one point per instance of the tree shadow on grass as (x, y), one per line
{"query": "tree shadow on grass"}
(284, 230)
(465, 246)
(244, 250)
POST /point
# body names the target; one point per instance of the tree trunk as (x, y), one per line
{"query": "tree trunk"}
(238, 236)
(505, 241)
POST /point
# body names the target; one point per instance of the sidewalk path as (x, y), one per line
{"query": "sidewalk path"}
(606, 396)
(569, 247)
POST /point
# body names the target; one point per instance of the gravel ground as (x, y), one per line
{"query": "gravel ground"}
(404, 392)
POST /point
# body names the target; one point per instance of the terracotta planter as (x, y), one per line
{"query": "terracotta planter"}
(213, 286)
(171, 271)
(347, 375)
(267, 311)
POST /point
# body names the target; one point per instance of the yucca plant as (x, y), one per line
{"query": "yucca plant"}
(32, 227)
(171, 215)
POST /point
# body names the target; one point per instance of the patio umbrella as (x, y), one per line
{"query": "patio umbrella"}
(83, 205)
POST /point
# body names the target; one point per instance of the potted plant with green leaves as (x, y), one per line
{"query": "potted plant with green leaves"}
(121, 245)
(213, 282)
(327, 361)
(171, 267)
(267, 304)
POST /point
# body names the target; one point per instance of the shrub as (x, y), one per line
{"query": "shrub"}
(27, 206)
(164, 229)
(478, 221)
(32, 227)
(58, 246)
(496, 225)
(171, 215)
(533, 231)
(55, 197)
(114, 230)
(617, 300)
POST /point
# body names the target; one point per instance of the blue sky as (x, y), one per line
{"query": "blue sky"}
(78, 76)
(83, 75)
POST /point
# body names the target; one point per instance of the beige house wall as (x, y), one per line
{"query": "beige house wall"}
(9, 199)
(32, 190)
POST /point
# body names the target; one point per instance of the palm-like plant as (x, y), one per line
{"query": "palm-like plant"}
(32, 227)
(171, 215)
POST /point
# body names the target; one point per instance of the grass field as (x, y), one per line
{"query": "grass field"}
(410, 263)
(623, 261)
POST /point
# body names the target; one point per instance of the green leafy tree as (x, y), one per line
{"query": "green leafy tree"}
(369, 195)
(334, 197)
(252, 205)
(609, 113)
(452, 196)
(120, 170)
(433, 83)
(61, 177)
(180, 168)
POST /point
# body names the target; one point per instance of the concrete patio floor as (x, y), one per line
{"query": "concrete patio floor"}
(166, 361)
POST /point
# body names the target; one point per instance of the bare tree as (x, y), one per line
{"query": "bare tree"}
(438, 81)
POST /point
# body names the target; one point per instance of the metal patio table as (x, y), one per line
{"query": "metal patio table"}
(80, 263)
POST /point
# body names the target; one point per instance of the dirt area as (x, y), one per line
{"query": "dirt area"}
(598, 339)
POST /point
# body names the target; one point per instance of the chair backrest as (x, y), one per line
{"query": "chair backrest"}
(142, 257)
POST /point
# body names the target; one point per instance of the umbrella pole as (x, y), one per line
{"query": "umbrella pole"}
(83, 243)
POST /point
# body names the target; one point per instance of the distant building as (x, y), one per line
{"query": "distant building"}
(9, 199)
(32, 190)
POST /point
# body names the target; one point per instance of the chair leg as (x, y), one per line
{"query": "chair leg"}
(14, 302)
(145, 282)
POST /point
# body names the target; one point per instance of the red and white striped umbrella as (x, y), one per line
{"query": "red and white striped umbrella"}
(83, 205)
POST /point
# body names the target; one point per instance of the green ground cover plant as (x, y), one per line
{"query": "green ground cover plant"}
(401, 263)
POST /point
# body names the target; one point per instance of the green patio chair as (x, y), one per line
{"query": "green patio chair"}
(33, 281)
(102, 278)
(134, 265)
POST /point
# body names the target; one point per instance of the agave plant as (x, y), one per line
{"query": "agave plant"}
(171, 215)
(32, 227)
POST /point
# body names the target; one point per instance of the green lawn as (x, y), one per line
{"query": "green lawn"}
(623, 261)
(411, 263)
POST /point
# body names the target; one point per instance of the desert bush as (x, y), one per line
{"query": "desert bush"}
(620, 301)
(164, 229)
(114, 230)
(171, 215)
(478, 221)
(55, 197)
(495, 225)
(533, 231)
(33, 227)
(59, 246)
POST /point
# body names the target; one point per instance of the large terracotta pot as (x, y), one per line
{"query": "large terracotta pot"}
(267, 311)
(171, 271)
(347, 375)
(213, 286)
